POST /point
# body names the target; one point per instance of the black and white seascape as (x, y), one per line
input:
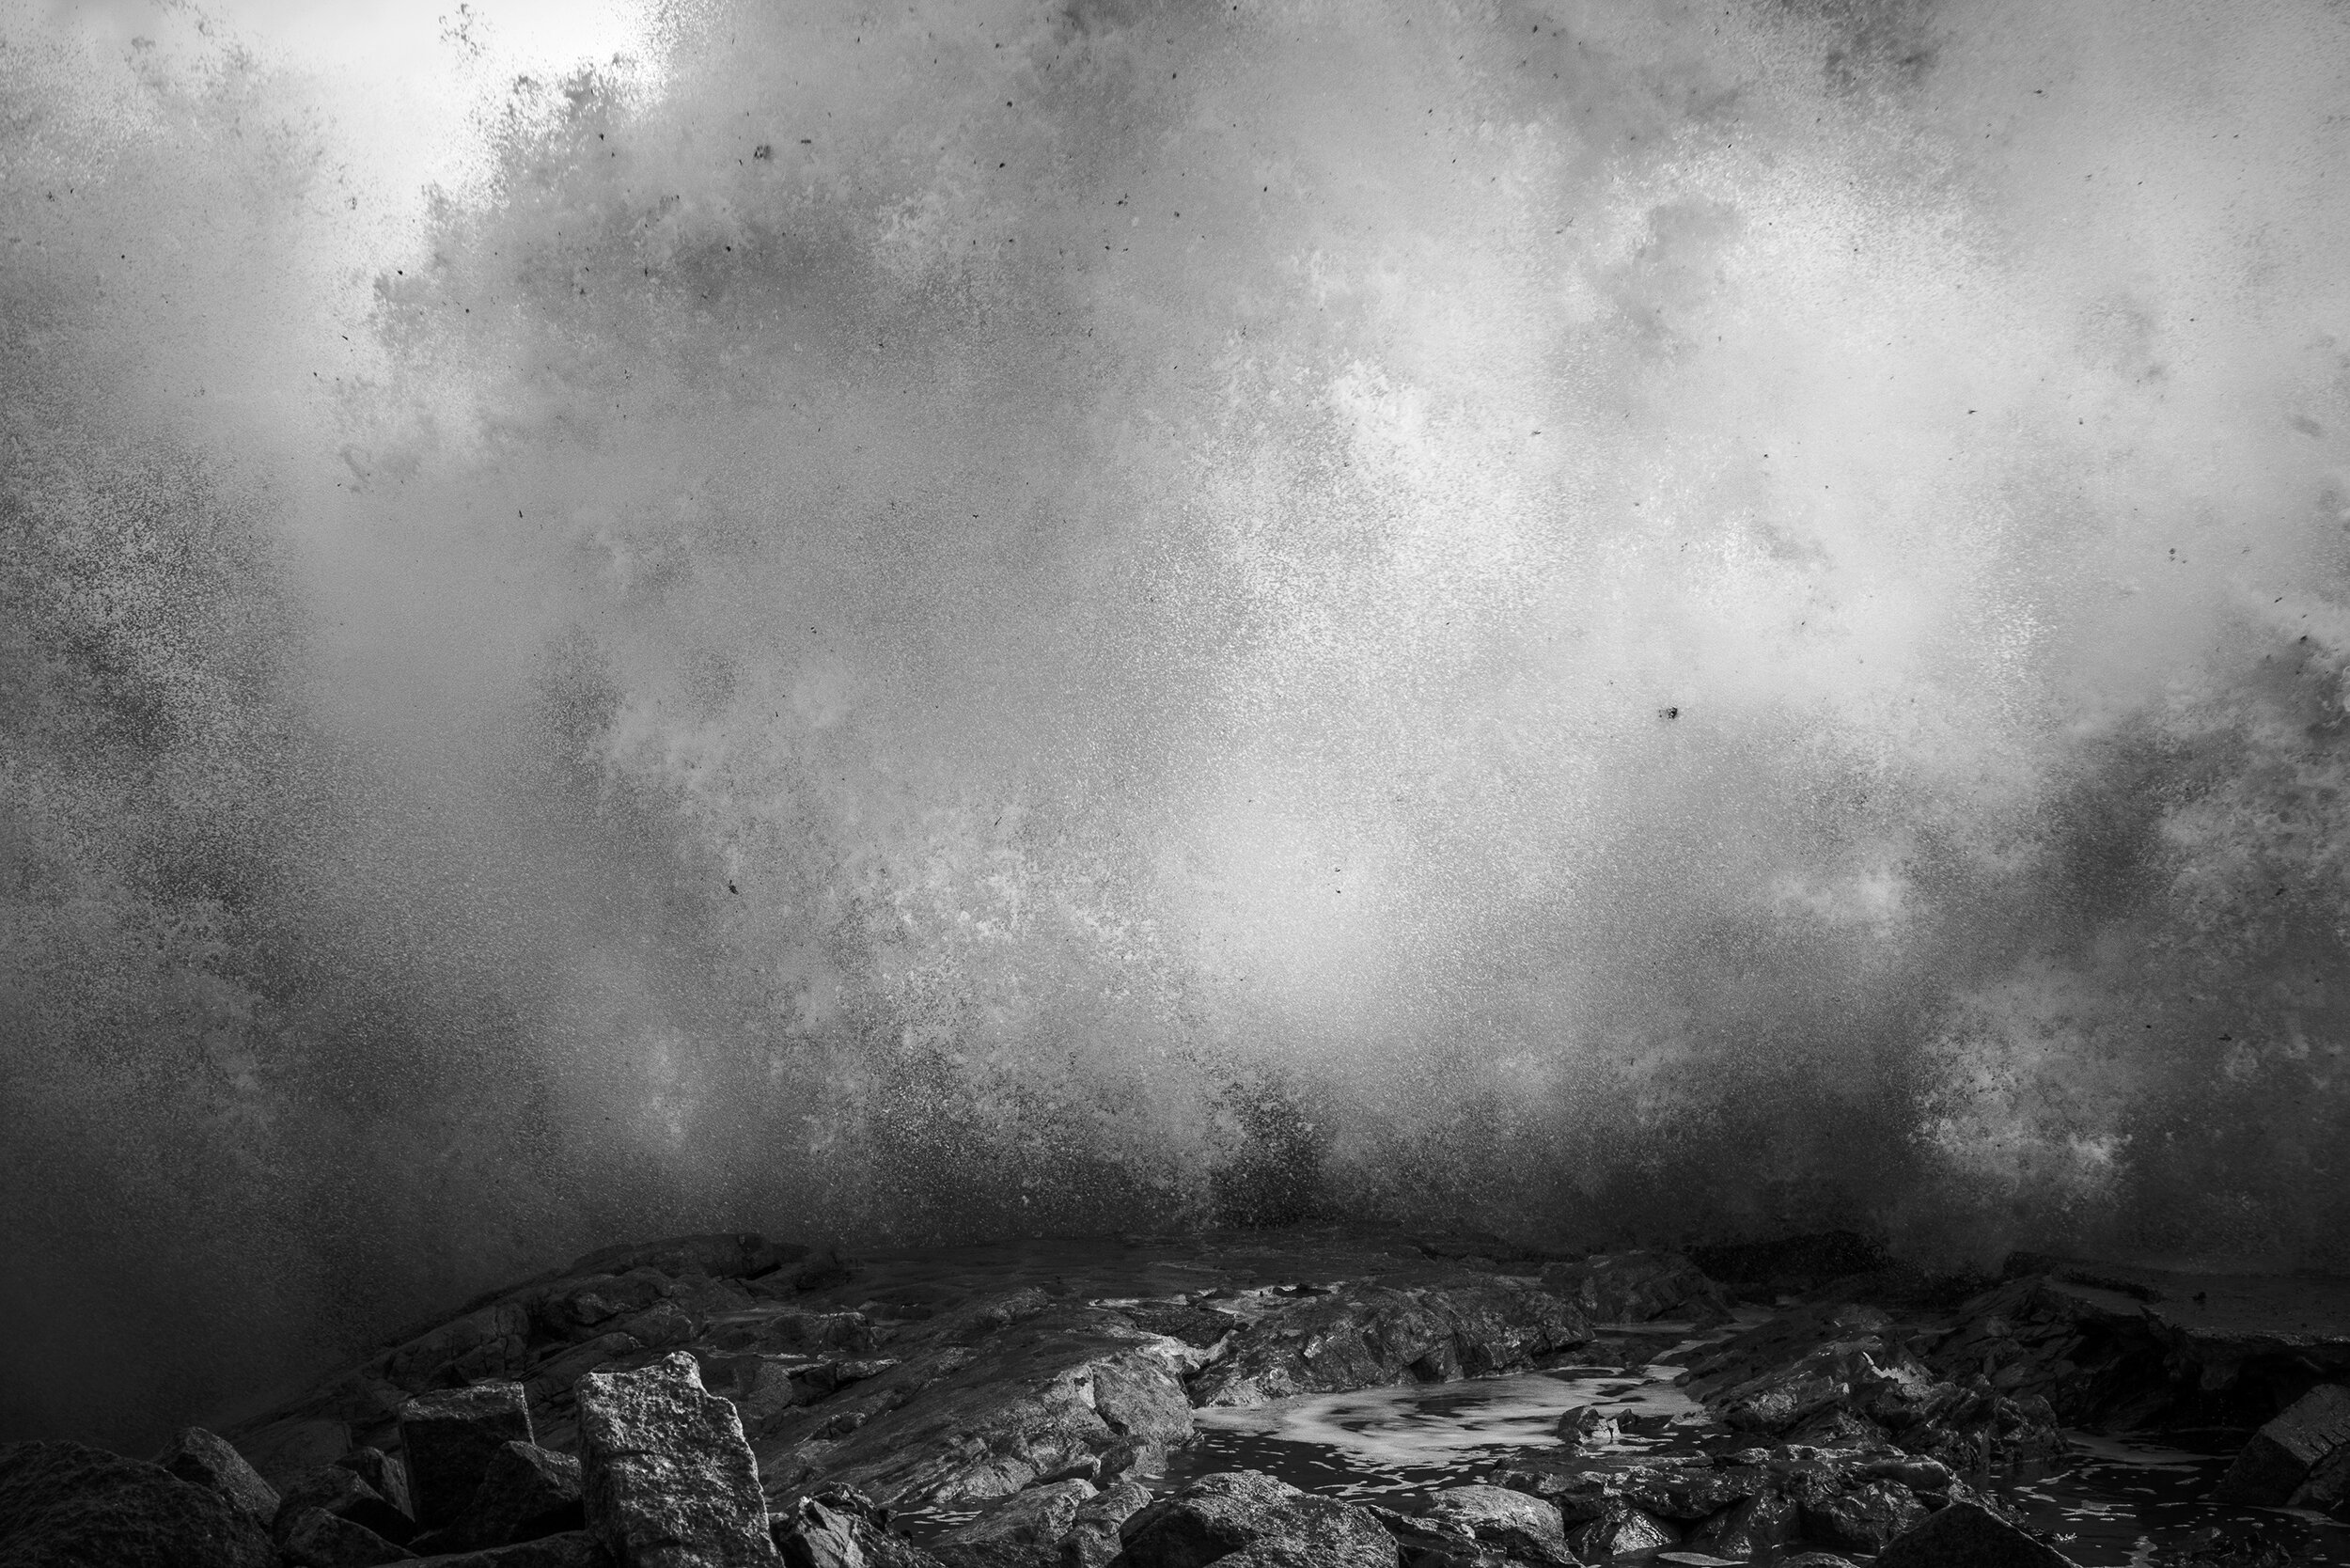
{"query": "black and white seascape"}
(1031, 783)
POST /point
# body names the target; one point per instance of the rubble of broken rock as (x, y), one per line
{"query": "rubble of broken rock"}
(1173, 1402)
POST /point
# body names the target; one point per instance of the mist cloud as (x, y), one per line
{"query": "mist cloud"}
(1603, 620)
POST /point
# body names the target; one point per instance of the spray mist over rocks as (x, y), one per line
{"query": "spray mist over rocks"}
(1613, 621)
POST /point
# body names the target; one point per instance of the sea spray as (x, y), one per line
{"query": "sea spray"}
(1603, 621)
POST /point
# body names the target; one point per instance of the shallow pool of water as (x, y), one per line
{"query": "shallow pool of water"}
(2111, 1503)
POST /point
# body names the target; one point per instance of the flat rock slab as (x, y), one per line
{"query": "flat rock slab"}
(669, 1480)
(66, 1503)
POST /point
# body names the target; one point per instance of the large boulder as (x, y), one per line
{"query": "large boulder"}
(1751, 1528)
(2278, 1460)
(67, 1505)
(203, 1459)
(450, 1436)
(1242, 1516)
(1523, 1528)
(1966, 1536)
(1622, 1530)
(1864, 1519)
(669, 1480)
(1092, 1536)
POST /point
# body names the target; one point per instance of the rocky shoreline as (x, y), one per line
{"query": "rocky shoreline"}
(726, 1398)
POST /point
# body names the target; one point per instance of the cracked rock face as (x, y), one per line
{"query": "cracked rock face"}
(670, 1481)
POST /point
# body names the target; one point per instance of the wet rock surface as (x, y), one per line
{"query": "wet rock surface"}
(724, 1399)
(668, 1478)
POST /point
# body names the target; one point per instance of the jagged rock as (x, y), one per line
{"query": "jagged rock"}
(341, 1493)
(1929, 1476)
(1366, 1336)
(1864, 1376)
(2278, 1460)
(1093, 1539)
(1221, 1517)
(1965, 1535)
(383, 1472)
(527, 1492)
(2328, 1486)
(202, 1459)
(1621, 1530)
(669, 1480)
(1513, 1523)
(841, 1528)
(1749, 1527)
(814, 1535)
(313, 1538)
(1864, 1519)
(1689, 1492)
(1586, 1426)
(572, 1549)
(1814, 1560)
(68, 1503)
(1025, 1528)
(450, 1436)
(1840, 1432)
(1433, 1544)
(1635, 1287)
(1013, 1390)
